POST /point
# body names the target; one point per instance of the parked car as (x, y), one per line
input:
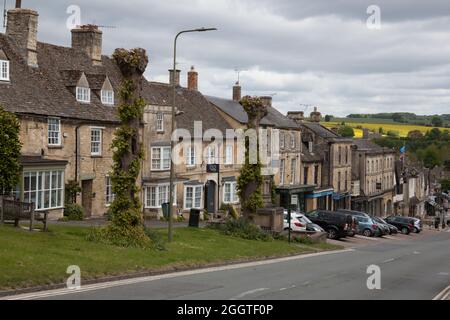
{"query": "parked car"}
(296, 224)
(418, 225)
(336, 224)
(405, 225)
(354, 213)
(392, 229)
(353, 228)
(367, 227)
(384, 228)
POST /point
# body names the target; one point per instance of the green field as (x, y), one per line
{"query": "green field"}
(402, 129)
(31, 259)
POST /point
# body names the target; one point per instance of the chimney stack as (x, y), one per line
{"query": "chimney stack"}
(266, 100)
(21, 28)
(174, 77)
(88, 38)
(193, 79)
(237, 92)
(316, 116)
(297, 116)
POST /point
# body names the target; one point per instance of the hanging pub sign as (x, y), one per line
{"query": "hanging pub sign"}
(212, 168)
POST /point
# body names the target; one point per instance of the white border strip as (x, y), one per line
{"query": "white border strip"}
(443, 295)
(99, 286)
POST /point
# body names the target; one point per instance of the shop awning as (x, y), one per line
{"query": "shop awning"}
(294, 189)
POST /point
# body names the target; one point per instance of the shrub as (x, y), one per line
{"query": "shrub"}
(231, 210)
(393, 133)
(304, 240)
(346, 131)
(242, 228)
(74, 212)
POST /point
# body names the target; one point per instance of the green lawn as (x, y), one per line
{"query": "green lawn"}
(31, 259)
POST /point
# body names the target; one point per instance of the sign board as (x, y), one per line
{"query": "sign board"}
(212, 168)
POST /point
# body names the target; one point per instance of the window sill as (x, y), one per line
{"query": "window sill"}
(160, 170)
(55, 146)
(96, 156)
(160, 131)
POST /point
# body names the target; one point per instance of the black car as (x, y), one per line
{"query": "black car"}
(404, 224)
(335, 223)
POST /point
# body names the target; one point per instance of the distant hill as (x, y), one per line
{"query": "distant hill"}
(396, 117)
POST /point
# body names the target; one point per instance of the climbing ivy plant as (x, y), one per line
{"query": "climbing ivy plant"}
(9, 151)
(250, 181)
(127, 225)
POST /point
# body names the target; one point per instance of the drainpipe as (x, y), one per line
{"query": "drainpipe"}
(77, 152)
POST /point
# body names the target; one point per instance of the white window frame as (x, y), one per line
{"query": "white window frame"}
(109, 194)
(42, 189)
(160, 122)
(164, 163)
(293, 171)
(83, 94)
(211, 155)
(98, 143)
(153, 198)
(293, 142)
(195, 191)
(4, 70)
(282, 140)
(229, 155)
(54, 131)
(107, 97)
(191, 156)
(233, 196)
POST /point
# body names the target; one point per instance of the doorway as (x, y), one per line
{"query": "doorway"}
(211, 196)
(86, 197)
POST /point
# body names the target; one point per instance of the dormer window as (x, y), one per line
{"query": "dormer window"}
(107, 97)
(107, 92)
(4, 70)
(83, 94)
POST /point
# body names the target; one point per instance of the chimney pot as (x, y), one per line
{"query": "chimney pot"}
(297, 116)
(18, 4)
(174, 76)
(237, 92)
(193, 79)
(316, 116)
(21, 27)
(88, 38)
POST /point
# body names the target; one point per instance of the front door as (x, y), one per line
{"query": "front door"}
(211, 196)
(86, 197)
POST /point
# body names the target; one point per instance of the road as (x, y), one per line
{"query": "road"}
(412, 267)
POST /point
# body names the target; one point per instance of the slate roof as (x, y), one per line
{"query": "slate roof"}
(236, 111)
(49, 89)
(320, 130)
(369, 146)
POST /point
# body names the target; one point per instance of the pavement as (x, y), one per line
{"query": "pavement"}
(413, 267)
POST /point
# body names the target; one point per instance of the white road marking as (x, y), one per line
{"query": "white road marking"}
(248, 293)
(391, 238)
(389, 260)
(366, 238)
(443, 274)
(416, 252)
(99, 286)
(443, 295)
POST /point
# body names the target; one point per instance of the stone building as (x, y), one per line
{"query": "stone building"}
(374, 170)
(201, 140)
(282, 165)
(64, 98)
(336, 169)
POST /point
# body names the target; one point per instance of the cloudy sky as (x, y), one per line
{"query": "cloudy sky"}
(318, 53)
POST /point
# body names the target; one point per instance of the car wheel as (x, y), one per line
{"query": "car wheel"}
(405, 230)
(352, 235)
(416, 230)
(367, 233)
(332, 234)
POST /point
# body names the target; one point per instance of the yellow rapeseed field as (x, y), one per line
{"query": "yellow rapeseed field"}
(402, 129)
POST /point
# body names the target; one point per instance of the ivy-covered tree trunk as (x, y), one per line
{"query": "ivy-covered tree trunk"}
(10, 147)
(127, 226)
(250, 180)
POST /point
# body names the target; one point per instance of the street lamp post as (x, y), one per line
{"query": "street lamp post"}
(172, 169)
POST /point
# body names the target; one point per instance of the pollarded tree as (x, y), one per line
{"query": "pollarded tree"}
(250, 180)
(127, 226)
(9, 151)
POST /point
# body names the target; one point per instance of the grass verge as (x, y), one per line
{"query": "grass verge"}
(36, 259)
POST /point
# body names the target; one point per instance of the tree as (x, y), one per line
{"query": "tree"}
(430, 157)
(250, 180)
(127, 227)
(10, 147)
(445, 185)
(437, 121)
(346, 131)
(328, 118)
(434, 134)
(415, 135)
(397, 117)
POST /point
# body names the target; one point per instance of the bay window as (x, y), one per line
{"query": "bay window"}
(44, 188)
